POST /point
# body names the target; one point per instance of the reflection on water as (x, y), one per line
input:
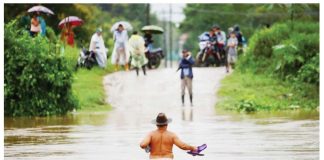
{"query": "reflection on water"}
(71, 119)
(47, 130)
(288, 114)
(187, 114)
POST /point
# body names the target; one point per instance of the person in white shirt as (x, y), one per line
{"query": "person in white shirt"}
(97, 45)
(221, 40)
(232, 43)
(120, 55)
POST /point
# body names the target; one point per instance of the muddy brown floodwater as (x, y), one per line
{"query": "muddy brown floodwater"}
(137, 100)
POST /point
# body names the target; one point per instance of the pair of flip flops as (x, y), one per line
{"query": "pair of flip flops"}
(199, 149)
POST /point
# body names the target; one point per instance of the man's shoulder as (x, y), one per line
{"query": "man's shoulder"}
(171, 133)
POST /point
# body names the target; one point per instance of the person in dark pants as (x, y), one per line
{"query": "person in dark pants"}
(186, 74)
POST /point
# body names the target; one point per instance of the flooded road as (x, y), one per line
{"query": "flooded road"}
(137, 100)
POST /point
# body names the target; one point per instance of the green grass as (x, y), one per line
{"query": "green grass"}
(88, 84)
(88, 88)
(246, 92)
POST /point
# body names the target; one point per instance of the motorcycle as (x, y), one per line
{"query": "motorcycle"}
(154, 57)
(86, 59)
(207, 50)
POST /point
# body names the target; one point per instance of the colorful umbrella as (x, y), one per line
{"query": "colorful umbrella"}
(153, 29)
(40, 8)
(125, 24)
(71, 20)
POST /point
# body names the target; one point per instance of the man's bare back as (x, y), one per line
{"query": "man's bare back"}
(161, 141)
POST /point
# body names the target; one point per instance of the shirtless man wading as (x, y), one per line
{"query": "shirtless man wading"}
(160, 141)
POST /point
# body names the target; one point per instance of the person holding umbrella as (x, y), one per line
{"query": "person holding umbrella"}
(148, 40)
(67, 24)
(148, 35)
(97, 46)
(42, 24)
(34, 26)
(120, 55)
(67, 35)
(37, 22)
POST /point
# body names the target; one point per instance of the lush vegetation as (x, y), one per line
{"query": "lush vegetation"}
(289, 53)
(37, 81)
(248, 92)
(279, 70)
(40, 79)
(88, 84)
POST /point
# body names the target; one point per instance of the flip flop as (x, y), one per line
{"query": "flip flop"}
(197, 153)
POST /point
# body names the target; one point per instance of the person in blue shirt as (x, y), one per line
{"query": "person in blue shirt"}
(186, 74)
(42, 23)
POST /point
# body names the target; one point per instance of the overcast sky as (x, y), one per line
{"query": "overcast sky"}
(162, 11)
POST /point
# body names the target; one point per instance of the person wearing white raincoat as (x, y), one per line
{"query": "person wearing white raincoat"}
(97, 45)
(120, 54)
(137, 49)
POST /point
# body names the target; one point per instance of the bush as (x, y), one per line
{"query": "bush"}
(310, 71)
(248, 93)
(285, 53)
(37, 81)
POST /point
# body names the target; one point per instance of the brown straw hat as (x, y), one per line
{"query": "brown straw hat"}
(161, 119)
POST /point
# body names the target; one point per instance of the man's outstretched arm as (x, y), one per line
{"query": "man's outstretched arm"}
(146, 141)
(183, 145)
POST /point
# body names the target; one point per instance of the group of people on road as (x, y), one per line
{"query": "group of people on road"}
(222, 44)
(124, 48)
(159, 142)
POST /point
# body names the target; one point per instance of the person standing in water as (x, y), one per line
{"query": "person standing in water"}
(160, 141)
(186, 74)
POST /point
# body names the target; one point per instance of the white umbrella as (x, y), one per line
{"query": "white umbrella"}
(154, 29)
(40, 8)
(125, 24)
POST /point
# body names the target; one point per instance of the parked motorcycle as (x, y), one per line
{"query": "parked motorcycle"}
(154, 57)
(86, 59)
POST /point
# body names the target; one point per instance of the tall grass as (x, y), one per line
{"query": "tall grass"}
(248, 92)
(87, 84)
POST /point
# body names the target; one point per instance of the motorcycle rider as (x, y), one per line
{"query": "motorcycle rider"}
(208, 37)
(154, 55)
(221, 40)
(148, 41)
